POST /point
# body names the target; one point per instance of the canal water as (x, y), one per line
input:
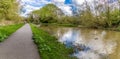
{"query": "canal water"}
(88, 43)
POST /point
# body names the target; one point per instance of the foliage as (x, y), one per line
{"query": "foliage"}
(99, 15)
(47, 14)
(95, 15)
(9, 10)
(6, 31)
(49, 47)
(115, 18)
(68, 20)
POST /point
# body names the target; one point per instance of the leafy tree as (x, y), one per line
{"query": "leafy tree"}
(48, 14)
(9, 10)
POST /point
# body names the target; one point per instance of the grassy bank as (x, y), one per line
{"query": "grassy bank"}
(80, 26)
(57, 24)
(49, 47)
(6, 31)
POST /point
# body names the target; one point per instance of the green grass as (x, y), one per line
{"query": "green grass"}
(6, 31)
(48, 46)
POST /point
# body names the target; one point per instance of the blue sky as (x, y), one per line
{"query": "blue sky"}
(67, 6)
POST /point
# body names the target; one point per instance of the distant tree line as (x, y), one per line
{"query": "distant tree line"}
(91, 14)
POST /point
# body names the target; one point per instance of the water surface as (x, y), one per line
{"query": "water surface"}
(88, 43)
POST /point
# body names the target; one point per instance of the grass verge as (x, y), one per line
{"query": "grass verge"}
(56, 24)
(48, 46)
(6, 31)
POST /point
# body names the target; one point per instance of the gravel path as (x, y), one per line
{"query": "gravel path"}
(19, 45)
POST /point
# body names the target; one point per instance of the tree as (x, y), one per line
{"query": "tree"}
(48, 14)
(9, 10)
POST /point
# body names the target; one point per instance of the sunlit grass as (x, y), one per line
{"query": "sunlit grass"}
(6, 31)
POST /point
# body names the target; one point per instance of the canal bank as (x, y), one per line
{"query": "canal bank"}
(86, 42)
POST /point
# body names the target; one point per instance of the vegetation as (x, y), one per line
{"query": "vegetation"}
(49, 47)
(98, 15)
(6, 31)
(90, 14)
(48, 14)
(9, 10)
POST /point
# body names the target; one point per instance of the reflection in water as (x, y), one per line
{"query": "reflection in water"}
(88, 44)
(92, 48)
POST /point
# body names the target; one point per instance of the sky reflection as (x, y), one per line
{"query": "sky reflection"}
(93, 46)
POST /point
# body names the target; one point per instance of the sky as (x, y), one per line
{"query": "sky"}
(67, 6)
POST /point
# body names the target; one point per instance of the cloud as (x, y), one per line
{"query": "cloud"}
(30, 5)
(67, 6)
(27, 9)
(78, 2)
(66, 9)
(58, 1)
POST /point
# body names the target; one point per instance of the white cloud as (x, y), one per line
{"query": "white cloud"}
(58, 1)
(28, 9)
(78, 2)
(30, 5)
(66, 9)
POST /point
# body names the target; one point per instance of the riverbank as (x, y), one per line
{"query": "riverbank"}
(48, 46)
(6, 31)
(80, 26)
(56, 24)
